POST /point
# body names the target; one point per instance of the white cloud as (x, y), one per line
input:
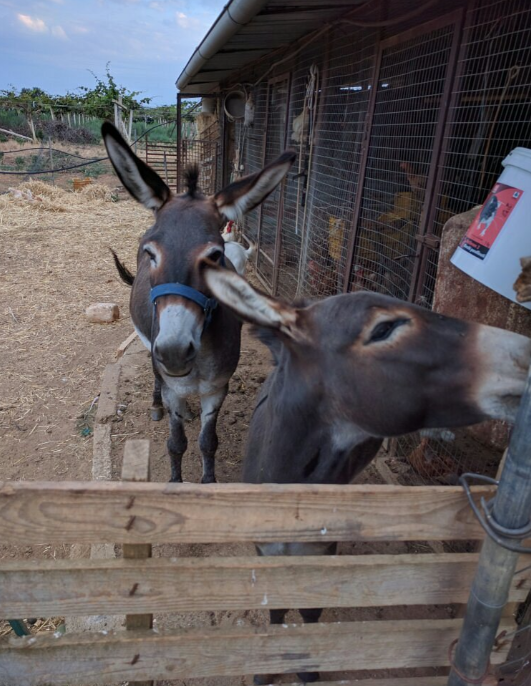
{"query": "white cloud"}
(187, 22)
(79, 28)
(32, 23)
(59, 32)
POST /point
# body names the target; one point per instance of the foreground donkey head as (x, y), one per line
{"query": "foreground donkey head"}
(352, 369)
(195, 345)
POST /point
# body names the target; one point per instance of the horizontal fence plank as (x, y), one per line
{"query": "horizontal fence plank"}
(91, 587)
(133, 655)
(109, 512)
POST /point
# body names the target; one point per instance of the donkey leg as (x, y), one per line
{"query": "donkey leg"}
(177, 442)
(276, 617)
(157, 409)
(311, 616)
(208, 438)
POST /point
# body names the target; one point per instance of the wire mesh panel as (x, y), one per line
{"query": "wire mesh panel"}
(406, 111)
(275, 135)
(327, 121)
(490, 113)
(248, 153)
(205, 155)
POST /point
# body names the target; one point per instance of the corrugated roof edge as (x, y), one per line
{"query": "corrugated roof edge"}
(235, 14)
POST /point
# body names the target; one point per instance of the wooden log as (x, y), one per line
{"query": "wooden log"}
(220, 651)
(91, 587)
(87, 512)
(17, 135)
(136, 468)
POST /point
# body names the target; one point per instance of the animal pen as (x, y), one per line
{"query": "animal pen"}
(400, 114)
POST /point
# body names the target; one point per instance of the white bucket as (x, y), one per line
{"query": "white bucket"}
(500, 235)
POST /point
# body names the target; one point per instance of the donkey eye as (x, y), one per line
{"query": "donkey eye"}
(151, 254)
(383, 330)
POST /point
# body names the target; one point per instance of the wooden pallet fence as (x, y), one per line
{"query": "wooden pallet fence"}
(136, 514)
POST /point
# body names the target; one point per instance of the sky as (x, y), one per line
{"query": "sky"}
(51, 44)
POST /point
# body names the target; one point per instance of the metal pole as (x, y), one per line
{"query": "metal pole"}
(179, 138)
(490, 589)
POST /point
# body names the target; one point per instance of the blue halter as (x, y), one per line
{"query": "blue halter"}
(208, 305)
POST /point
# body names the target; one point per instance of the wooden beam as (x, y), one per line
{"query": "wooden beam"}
(91, 587)
(114, 512)
(17, 135)
(136, 468)
(229, 651)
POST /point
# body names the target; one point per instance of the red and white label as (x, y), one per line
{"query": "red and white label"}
(490, 220)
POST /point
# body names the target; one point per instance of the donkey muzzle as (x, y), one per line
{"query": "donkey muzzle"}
(174, 359)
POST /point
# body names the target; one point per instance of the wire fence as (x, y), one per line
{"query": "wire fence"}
(396, 130)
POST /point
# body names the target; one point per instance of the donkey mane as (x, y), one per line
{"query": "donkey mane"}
(191, 179)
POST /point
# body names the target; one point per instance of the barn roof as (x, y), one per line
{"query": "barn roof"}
(248, 29)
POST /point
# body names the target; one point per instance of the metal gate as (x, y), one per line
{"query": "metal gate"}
(162, 157)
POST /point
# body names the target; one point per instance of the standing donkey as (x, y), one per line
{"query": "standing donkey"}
(195, 345)
(351, 369)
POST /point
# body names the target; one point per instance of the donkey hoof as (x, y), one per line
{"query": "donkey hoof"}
(208, 480)
(263, 679)
(156, 414)
(308, 677)
(175, 480)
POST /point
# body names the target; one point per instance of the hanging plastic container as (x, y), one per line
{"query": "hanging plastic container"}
(500, 235)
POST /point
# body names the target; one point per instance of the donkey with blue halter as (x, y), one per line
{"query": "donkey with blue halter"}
(352, 369)
(195, 343)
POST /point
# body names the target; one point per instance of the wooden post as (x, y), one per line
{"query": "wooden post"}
(51, 159)
(136, 467)
(490, 590)
(165, 167)
(130, 123)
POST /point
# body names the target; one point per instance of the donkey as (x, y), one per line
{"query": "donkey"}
(352, 369)
(195, 345)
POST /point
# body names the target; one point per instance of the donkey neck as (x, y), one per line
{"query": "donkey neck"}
(292, 439)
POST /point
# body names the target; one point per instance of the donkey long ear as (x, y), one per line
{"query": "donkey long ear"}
(251, 305)
(244, 195)
(141, 181)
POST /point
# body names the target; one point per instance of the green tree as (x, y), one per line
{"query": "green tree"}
(99, 100)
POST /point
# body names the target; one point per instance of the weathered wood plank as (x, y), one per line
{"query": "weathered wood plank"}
(71, 587)
(96, 659)
(49, 512)
(136, 468)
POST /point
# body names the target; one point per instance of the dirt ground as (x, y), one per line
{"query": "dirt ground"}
(53, 265)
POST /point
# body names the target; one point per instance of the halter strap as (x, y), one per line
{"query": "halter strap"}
(208, 305)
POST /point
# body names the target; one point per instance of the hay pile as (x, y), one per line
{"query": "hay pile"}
(41, 196)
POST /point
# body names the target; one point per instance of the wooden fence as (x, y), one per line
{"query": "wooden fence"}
(162, 157)
(140, 514)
